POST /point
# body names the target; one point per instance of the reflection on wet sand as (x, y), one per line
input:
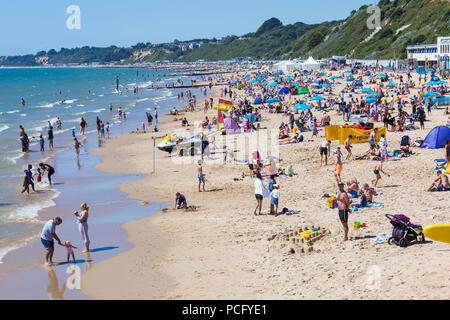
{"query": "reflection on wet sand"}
(53, 291)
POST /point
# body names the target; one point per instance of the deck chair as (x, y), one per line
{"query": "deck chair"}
(441, 164)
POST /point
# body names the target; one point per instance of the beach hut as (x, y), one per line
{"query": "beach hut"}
(437, 138)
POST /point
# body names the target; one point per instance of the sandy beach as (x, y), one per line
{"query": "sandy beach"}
(220, 250)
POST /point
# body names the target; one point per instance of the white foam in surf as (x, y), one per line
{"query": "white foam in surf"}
(4, 127)
(70, 101)
(48, 105)
(13, 111)
(29, 212)
(5, 250)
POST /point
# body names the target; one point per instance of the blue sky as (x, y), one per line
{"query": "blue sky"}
(29, 26)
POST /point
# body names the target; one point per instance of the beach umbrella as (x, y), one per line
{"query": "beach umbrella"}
(245, 77)
(433, 83)
(435, 78)
(382, 75)
(317, 98)
(265, 83)
(274, 84)
(326, 85)
(429, 94)
(431, 70)
(358, 83)
(273, 100)
(302, 107)
(391, 83)
(288, 78)
(284, 91)
(347, 71)
(442, 82)
(370, 100)
(367, 90)
(296, 84)
(373, 95)
(252, 81)
(303, 90)
(335, 77)
(350, 79)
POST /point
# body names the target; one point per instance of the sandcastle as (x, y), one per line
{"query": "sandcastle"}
(297, 240)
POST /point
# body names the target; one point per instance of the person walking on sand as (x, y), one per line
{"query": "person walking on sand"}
(82, 126)
(338, 162)
(348, 147)
(344, 208)
(47, 236)
(82, 219)
(324, 149)
(383, 146)
(201, 176)
(50, 138)
(77, 146)
(260, 193)
(377, 170)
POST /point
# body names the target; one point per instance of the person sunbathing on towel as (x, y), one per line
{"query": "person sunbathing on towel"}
(441, 183)
(353, 186)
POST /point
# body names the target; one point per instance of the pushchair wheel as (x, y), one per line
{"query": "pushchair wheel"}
(421, 237)
(390, 240)
(403, 242)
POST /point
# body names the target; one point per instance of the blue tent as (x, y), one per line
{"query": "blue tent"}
(435, 78)
(274, 84)
(350, 79)
(391, 83)
(257, 101)
(437, 138)
(284, 91)
(358, 83)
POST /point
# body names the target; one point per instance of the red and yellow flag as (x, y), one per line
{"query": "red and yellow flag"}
(225, 105)
(220, 120)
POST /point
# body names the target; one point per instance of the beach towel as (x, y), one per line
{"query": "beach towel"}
(381, 238)
(369, 206)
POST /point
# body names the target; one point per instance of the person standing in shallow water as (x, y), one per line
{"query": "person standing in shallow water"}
(82, 219)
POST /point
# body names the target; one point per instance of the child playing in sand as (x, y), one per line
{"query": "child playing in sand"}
(180, 201)
(70, 248)
(368, 192)
(274, 196)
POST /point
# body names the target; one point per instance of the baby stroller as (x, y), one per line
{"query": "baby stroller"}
(404, 232)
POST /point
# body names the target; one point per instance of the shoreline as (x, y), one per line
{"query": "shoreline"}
(221, 251)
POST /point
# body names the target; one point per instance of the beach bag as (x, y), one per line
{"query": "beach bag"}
(284, 210)
(289, 171)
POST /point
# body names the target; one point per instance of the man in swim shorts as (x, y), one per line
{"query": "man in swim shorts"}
(47, 236)
(324, 150)
(343, 207)
(441, 183)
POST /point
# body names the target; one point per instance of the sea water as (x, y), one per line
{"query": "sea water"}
(67, 93)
